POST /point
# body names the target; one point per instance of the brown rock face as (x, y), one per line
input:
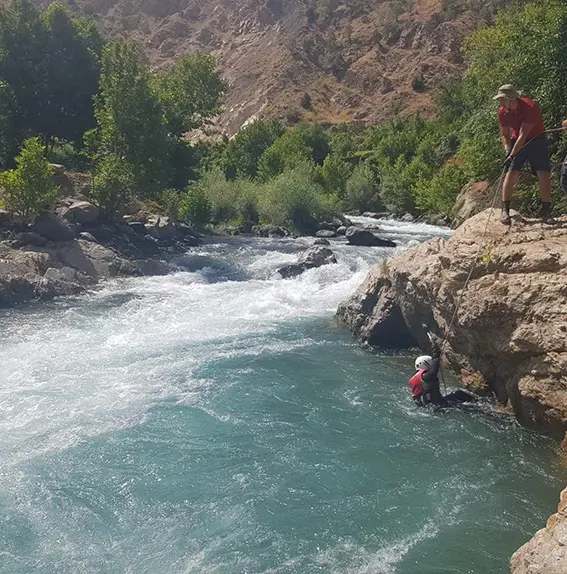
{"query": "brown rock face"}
(546, 552)
(510, 331)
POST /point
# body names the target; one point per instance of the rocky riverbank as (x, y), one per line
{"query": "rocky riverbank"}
(509, 336)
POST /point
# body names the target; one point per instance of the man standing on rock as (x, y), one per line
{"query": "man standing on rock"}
(523, 136)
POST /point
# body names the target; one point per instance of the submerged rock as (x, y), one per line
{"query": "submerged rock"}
(322, 241)
(365, 238)
(315, 256)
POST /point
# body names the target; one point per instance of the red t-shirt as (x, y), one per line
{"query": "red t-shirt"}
(527, 112)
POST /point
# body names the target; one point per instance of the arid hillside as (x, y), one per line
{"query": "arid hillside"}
(334, 61)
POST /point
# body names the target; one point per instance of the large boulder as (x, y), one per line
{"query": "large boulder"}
(82, 212)
(546, 552)
(473, 198)
(315, 256)
(161, 228)
(28, 238)
(365, 238)
(53, 227)
(322, 241)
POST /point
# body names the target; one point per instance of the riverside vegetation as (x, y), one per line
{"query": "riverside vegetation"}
(69, 96)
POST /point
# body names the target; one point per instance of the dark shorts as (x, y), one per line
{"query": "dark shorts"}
(536, 152)
(564, 177)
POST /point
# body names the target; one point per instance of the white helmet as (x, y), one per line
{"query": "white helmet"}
(423, 362)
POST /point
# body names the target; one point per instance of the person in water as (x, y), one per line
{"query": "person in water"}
(425, 385)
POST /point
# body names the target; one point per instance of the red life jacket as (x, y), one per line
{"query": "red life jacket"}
(415, 383)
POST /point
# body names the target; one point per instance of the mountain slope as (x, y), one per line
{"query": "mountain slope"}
(359, 60)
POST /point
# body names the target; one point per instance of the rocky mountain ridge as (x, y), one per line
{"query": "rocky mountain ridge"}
(357, 60)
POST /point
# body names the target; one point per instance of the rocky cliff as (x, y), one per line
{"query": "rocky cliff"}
(546, 552)
(355, 59)
(509, 334)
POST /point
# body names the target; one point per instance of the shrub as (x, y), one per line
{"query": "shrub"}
(294, 199)
(418, 83)
(438, 194)
(113, 185)
(222, 195)
(306, 102)
(361, 192)
(29, 189)
(170, 200)
(195, 207)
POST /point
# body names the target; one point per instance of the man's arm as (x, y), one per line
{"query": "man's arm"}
(506, 137)
(522, 138)
(431, 374)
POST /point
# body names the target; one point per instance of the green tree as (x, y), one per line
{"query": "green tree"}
(242, 154)
(190, 92)
(113, 185)
(304, 143)
(131, 120)
(8, 133)
(51, 63)
(73, 68)
(335, 173)
(29, 189)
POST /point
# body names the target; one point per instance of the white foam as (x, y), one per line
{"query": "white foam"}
(98, 362)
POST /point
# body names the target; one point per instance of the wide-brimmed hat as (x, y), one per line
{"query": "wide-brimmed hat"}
(506, 91)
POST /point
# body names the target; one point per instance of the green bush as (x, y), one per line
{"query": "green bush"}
(113, 185)
(222, 195)
(294, 199)
(170, 201)
(335, 173)
(438, 194)
(361, 193)
(29, 189)
(195, 207)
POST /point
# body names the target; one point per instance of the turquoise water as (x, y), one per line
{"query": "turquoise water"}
(218, 420)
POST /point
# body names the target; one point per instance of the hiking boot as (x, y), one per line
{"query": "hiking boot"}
(545, 213)
(505, 218)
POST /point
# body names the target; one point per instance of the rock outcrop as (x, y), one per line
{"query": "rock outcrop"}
(546, 552)
(506, 333)
(511, 326)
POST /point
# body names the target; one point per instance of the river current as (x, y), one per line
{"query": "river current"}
(219, 420)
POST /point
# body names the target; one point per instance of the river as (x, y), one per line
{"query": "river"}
(218, 420)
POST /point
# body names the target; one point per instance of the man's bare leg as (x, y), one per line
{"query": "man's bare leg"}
(507, 193)
(544, 178)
